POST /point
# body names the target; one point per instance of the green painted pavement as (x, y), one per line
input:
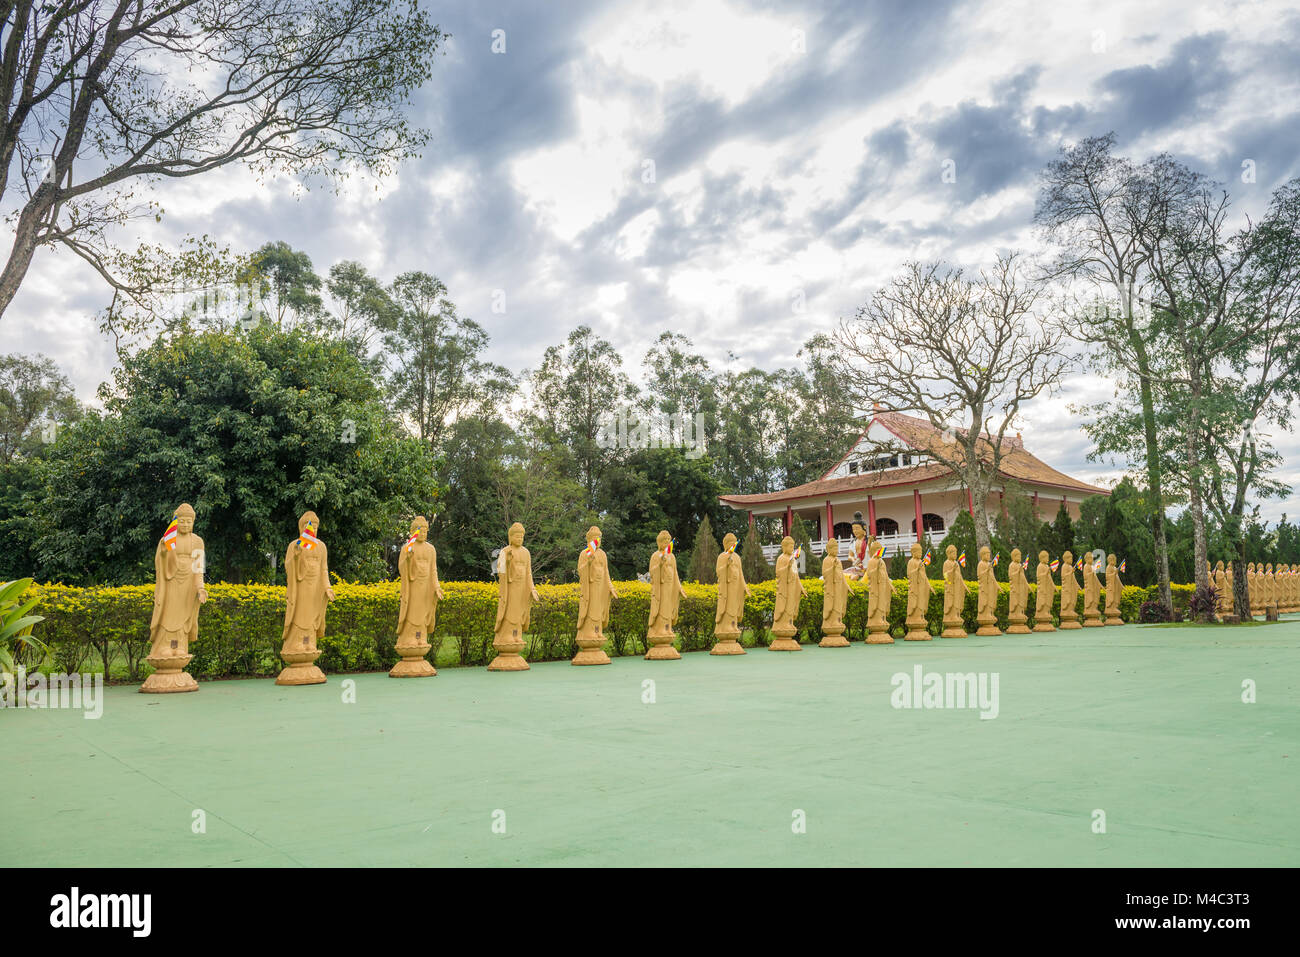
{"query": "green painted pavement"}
(1146, 724)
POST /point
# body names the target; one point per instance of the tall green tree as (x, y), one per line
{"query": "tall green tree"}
(252, 430)
(703, 566)
(435, 355)
(755, 567)
(36, 400)
(1104, 216)
(574, 391)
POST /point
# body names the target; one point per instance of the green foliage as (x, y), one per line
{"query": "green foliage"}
(703, 566)
(252, 430)
(438, 375)
(240, 625)
(16, 624)
(752, 562)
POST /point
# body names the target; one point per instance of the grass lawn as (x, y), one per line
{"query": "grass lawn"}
(1144, 723)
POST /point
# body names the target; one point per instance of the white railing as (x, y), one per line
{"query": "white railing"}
(894, 545)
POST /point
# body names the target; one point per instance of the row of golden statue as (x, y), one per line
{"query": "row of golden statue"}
(180, 590)
(1271, 591)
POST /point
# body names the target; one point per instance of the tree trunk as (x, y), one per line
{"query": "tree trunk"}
(1240, 587)
(1155, 473)
(1200, 552)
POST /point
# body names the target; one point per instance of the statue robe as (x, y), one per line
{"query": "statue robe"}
(731, 589)
(988, 590)
(788, 589)
(417, 569)
(1091, 588)
(1114, 590)
(514, 590)
(954, 590)
(1018, 592)
(593, 591)
(175, 620)
(918, 590)
(665, 591)
(879, 589)
(307, 575)
(835, 590)
(1046, 592)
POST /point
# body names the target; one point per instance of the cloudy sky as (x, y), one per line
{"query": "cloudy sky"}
(695, 166)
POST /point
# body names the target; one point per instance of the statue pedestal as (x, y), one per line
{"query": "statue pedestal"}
(508, 652)
(833, 635)
(591, 650)
(1091, 619)
(953, 628)
(878, 633)
(988, 627)
(169, 676)
(1044, 625)
(1114, 620)
(784, 640)
(1018, 624)
(1069, 619)
(727, 640)
(918, 629)
(413, 664)
(661, 646)
(300, 668)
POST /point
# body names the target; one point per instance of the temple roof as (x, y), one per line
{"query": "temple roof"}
(919, 434)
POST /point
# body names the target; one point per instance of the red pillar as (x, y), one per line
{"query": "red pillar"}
(970, 503)
(830, 523)
(789, 517)
(871, 516)
(1035, 505)
(751, 519)
(916, 501)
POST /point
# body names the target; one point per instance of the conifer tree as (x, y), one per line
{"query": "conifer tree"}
(703, 566)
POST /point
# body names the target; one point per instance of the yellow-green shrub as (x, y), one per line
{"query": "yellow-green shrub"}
(240, 627)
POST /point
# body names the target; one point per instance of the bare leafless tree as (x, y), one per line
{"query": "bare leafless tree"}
(964, 354)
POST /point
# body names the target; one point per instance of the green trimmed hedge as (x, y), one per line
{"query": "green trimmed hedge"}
(240, 626)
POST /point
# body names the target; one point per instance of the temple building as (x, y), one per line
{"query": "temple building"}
(902, 492)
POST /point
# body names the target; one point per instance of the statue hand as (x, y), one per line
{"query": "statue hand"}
(536, 597)
(203, 595)
(441, 596)
(329, 593)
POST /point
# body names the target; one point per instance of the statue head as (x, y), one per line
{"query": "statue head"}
(1110, 559)
(916, 549)
(420, 528)
(1268, 569)
(593, 535)
(984, 554)
(951, 552)
(1042, 557)
(832, 548)
(308, 518)
(787, 545)
(1218, 566)
(728, 542)
(859, 528)
(516, 534)
(663, 540)
(1067, 558)
(1016, 556)
(185, 518)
